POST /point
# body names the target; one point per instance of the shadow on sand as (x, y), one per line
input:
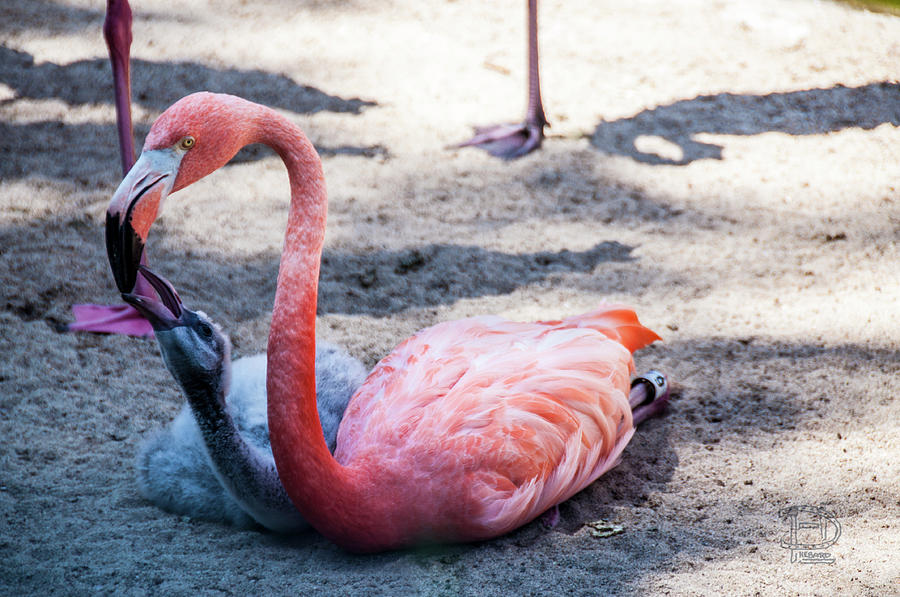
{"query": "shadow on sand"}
(387, 282)
(156, 85)
(807, 112)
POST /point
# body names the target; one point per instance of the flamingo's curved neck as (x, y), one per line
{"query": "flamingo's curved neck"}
(323, 490)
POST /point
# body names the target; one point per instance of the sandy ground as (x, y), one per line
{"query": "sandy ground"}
(729, 168)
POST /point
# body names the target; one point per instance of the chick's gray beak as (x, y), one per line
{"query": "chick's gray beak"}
(164, 314)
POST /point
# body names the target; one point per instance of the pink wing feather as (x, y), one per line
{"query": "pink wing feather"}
(520, 415)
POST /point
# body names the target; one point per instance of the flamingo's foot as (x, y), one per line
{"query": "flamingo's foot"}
(110, 319)
(550, 518)
(656, 387)
(507, 141)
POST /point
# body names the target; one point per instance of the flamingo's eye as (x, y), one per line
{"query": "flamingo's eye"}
(186, 143)
(206, 331)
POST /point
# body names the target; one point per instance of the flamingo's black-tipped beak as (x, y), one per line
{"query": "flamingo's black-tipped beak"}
(123, 249)
(133, 209)
(164, 314)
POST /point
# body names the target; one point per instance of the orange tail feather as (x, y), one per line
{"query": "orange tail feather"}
(618, 322)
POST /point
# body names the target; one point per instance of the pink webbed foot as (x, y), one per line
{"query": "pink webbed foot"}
(507, 141)
(649, 396)
(114, 319)
(109, 319)
(510, 141)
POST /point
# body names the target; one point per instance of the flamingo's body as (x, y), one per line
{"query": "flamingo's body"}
(464, 432)
(475, 427)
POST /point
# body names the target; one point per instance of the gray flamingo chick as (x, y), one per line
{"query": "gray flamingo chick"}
(214, 462)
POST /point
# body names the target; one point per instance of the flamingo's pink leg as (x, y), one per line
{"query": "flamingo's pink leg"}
(550, 518)
(118, 319)
(510, 141)
(117, 32)
(649, 396)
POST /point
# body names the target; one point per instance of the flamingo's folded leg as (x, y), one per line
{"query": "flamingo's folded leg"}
(649, 396)
(550, 518)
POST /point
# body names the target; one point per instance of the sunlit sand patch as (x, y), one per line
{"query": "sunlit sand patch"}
(659, 146)
(6, 93)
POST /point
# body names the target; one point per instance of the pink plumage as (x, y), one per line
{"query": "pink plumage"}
(502, 419)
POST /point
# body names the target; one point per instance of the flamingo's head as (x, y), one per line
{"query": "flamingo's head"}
(195, 349)
(195, 136)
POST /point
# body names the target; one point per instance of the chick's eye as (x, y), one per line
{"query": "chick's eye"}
(205, 331)
(187, 142)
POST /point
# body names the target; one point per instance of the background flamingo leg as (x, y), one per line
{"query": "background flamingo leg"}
(117, 33)
(118, 319)
(510, 141)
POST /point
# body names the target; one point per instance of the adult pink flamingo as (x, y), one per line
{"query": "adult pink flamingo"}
(117, 319)
(465, 431)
